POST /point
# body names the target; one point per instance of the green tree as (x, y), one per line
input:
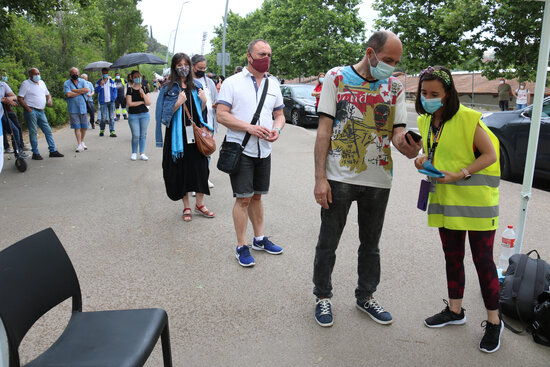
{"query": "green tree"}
(37, 9)
(515, 28)
(306, 36)
(123, 31)
(435, 32)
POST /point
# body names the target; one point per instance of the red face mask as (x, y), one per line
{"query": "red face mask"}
(261, 65)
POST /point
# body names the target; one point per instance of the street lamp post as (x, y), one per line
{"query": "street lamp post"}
(223, 39)
(168, 47)
(177, 26)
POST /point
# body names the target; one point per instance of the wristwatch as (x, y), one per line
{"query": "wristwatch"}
(467, 175)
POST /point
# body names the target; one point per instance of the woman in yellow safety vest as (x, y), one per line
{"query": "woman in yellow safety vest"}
(459, 145)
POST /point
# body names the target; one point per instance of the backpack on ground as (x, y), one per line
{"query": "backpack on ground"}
(525, 279)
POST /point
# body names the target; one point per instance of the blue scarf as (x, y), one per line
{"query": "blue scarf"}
(177, 126)
(177, 135)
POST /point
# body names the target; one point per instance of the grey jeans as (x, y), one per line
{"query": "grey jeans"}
(371, 207)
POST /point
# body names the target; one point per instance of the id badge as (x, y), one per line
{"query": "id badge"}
(423, 195)
(190, 134)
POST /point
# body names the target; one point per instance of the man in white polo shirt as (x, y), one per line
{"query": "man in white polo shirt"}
(237, 103)
(33, 96)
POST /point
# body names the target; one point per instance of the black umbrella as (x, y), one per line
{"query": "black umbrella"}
(136, 58)
(97, 66)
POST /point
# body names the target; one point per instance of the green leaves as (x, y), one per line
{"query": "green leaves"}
(306, 36)
(456, 33)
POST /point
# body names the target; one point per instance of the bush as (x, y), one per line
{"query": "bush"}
(57, 114)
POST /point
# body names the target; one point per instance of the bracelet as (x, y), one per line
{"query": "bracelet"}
(279, 130)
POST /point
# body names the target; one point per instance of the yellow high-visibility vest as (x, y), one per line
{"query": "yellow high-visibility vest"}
(466, 204)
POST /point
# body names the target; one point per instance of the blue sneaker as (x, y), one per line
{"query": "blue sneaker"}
(267, 246)
(323, 312)
(375, 311)
(243, 255)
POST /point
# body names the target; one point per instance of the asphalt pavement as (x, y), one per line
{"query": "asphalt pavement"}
(131, 249)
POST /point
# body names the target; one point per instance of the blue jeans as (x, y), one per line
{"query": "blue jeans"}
(371, 207)
(107, 114)
(521, 105)
(138, 125)
(34, 119)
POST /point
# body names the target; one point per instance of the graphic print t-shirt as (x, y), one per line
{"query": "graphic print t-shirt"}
(364, 114)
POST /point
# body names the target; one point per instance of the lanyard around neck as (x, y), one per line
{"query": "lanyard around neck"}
(437, 136)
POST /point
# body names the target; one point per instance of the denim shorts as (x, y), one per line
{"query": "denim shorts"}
(252, 178)
(79, 121)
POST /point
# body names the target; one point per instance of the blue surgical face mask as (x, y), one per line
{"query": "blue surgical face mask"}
(137, 80)
(321, 80)
(105, 76)
(431, 105)
(381, 71)
(117, 77)
(5, 78)
(36, 78)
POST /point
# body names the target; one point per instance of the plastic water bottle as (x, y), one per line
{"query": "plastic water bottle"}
(507, 247)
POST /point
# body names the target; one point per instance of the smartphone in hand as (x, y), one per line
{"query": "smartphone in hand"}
(416, 137)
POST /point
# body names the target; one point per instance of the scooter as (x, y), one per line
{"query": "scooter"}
(20, 162)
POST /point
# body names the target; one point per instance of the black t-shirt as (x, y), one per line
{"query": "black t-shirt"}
(136, 97)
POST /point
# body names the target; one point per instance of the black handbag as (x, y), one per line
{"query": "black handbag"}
(230, 152)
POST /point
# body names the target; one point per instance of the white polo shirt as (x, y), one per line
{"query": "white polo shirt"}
(241, 94)
(34, 94)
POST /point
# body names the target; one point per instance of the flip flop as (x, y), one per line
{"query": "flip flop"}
(204, 211)
(187, 217)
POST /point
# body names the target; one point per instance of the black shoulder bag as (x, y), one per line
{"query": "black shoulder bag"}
(230, 153)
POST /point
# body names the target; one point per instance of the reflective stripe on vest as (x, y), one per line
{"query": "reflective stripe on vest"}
(464, 211)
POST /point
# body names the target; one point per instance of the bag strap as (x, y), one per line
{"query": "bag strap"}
(257, 113)
(518, 275)
(508, 326)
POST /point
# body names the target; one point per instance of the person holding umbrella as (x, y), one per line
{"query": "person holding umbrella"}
(106, 95)
(179, 104)
(137, 100)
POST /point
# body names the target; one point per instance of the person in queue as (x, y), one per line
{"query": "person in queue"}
(185, 169)
(138, 100)
(317, 90)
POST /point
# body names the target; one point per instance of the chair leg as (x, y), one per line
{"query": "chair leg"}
(166, 350)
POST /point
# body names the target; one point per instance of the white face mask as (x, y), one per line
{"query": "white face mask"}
(522, 87)
(502, 82)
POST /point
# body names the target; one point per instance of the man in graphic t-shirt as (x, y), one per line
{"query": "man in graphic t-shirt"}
(362, 111)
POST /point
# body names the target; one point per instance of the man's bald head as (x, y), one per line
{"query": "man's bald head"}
(379, 39)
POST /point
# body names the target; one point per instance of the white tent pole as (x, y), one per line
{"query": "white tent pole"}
(535, 125)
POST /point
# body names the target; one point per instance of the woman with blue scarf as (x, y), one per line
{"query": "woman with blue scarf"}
(185, 170)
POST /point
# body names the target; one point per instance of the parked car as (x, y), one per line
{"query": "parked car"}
(299, 104)
(512, 129)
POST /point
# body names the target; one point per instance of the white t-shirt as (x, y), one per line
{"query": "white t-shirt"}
(240, 94)
(4, 90)
(522, 96)
(107, 91)
(34, 94)
(364, 115)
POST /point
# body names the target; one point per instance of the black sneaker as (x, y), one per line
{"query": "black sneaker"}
(112, 135)
(37, 157)
(101, 133)
(56, 154)
(446, 317)
(491, 340)
(323, 312)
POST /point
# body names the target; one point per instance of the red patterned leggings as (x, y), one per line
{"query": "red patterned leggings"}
(481, 244)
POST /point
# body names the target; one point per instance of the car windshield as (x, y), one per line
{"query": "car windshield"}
(303, 91)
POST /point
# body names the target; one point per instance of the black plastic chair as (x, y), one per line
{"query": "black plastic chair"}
(36, 275)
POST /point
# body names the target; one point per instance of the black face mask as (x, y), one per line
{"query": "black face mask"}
(74, 77)
(199, 73)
